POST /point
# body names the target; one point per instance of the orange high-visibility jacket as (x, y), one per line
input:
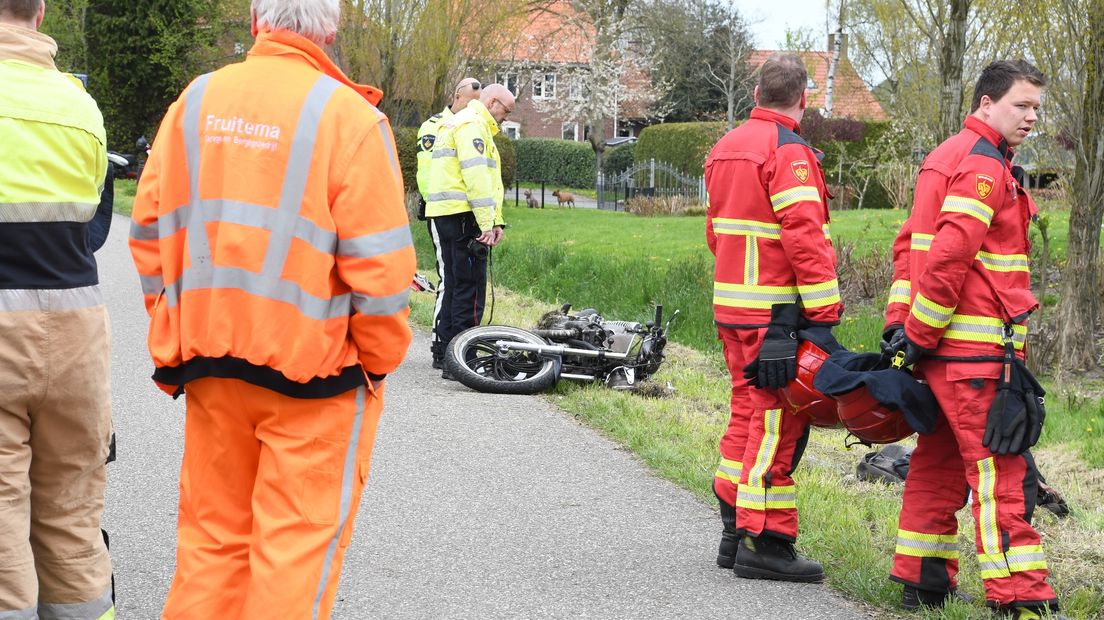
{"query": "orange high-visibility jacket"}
(269, 228)
(961, 258)
(767, 224)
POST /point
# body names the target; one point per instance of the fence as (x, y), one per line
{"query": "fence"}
(648, 178)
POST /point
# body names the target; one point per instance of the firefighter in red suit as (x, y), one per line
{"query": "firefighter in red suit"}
(775, 272)
(960, 299)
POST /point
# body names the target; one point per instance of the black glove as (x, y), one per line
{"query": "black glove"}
(1034, 402)
(892, 339)
(1006, 427)
(776, 365)
(896, 341)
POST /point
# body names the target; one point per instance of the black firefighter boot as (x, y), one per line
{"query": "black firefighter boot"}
(730, 538)
(767, 557)
(912, 598)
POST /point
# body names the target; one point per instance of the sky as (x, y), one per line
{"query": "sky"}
(770, 19)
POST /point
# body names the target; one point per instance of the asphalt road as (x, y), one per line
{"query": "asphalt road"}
(478, 506)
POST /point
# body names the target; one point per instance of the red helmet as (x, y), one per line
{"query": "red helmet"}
(803, 398)
(869, 420)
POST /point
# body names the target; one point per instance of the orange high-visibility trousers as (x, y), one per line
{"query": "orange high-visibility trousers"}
(269, 489)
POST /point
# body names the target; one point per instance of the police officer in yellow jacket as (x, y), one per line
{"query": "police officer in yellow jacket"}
(466, 90)
(464, 207)
(55, 399)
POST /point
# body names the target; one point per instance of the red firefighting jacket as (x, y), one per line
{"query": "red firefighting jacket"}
(767, 225)
(961, 259)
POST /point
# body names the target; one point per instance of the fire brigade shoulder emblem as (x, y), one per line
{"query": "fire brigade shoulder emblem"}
(984, 185)
(800, 169)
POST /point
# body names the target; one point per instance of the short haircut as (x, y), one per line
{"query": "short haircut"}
(314, 19)
(20, 9)
(782, 80)
(997, 79)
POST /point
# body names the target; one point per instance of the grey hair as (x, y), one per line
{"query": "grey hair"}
(314, 19)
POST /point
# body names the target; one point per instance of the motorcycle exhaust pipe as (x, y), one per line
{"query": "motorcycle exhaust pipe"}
(556, 350)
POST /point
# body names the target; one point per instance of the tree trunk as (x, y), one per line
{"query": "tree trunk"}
(833, 64)
(950, 69)
(1079, 311)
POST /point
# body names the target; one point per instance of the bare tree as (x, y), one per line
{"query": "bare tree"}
(729, 73)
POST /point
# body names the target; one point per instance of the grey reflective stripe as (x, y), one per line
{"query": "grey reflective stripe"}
(199, 250)
(775, 496)
(731, 471)
(439, 196)
(248, 281)
(1019, 558)
(50, 300)
(765, 230)
(151, 285)
(751, 262)
(925, 545)
(814, 295)
(757, 496)
(389, 144)
(1001, 566)
(438, 153)
(375, 244)
(17, 212)
(381, 306)
(931, 313)
(482, 203)
(31, 613)
(478, 161)
(968, 205)
(345, 508)
(76, 611)
(295, 177)
(750, 296)
(1002, 261)
(246, 214)
(143, 233)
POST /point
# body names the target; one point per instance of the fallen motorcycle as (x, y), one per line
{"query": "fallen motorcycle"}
(581, 347)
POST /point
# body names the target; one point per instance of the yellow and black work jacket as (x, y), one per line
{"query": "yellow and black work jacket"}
(767, 225)
(466, 171)
(427, 136)
(51, 172)
(961, 258)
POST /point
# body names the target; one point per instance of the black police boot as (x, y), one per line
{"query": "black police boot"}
(912, 598)
(438, 354)
(730, 538)
(438, 363)
(767, 557)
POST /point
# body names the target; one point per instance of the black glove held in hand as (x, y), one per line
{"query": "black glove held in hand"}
(893, 340)
(1033, 394)
(777, 362)
(1006, 428)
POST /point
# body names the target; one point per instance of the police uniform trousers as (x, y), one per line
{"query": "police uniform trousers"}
(945, 466)
(269, 489)
(462, 291)
(760, 448)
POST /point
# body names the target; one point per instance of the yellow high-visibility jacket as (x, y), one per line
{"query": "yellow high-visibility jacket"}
(466, 171)
(427, 136)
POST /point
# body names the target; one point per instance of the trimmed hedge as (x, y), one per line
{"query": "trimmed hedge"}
(406, 140)
(683, 145)
(619, 158)
(556, 162)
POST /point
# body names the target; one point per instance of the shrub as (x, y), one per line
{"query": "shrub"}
(863, 277)
(406, 140)
(683, 145)
(556, 162)
(651, 206)
(619, 158)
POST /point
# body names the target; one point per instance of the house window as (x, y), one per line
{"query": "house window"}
(544, 86)
(511, 129)
(509, 80)
(810, 84)
(569, 131)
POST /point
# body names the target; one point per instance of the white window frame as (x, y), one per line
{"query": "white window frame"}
(810, 84)
(505, 78)
(572, 127)
(512, 127)
(544, 85)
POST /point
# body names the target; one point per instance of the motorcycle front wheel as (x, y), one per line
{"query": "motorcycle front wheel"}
(474, 360)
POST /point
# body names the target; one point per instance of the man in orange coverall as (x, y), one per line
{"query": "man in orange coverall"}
(775, 272)
(275, 256)
(958, 309)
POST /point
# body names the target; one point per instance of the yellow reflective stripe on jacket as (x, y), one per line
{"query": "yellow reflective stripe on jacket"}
(983, 329)
(921, 241)
(819, 295)
(751, 261)
(751, 228)
(900, 292)
(729, 470)
(969, 206)
(466, 162)
(1003, 262)
(930, 313)
(827, 232)
(752, 295)
(801, 193)
(921, 545)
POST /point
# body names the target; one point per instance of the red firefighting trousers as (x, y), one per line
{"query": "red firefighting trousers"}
(269, 488)
(944, 464)
(760, 447)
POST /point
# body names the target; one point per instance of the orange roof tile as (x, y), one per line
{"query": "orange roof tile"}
(851, 97)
